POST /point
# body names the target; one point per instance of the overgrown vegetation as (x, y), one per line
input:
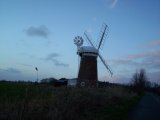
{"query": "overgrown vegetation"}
(35, 102)
(156, 88)
(139, 82)
(50, 100)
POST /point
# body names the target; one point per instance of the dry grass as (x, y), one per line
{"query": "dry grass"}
(30, 102)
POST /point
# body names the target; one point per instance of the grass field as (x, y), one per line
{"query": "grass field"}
(38, 102)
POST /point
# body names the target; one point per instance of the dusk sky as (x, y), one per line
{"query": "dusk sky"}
(40, 33)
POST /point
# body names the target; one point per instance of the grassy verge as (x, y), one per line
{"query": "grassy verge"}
(37, 102)
(115, 112)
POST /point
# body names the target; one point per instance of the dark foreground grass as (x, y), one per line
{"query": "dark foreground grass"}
(38, 102)
(116, 111)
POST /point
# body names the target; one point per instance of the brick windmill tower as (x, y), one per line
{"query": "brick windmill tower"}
(88, 74)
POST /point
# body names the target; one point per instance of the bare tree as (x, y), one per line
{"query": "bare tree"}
(139, 81)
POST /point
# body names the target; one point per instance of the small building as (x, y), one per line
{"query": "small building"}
(72, 82)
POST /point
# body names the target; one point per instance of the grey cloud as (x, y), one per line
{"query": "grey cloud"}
(145, 60)
(13, 74)
(26, 65)
(148, 60)
(136, 56)
(13, 70)
(155, 53)
(117, 62)
(53, 58)
(9, 73)
(153, 44)
(154, 77)
(152, 60)
(58, 63)
(41, 31)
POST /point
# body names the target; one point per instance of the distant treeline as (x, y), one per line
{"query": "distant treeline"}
(139, 83)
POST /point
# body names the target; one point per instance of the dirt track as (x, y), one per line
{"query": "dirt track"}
(147, 109)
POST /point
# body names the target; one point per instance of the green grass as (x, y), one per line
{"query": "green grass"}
(35, 102)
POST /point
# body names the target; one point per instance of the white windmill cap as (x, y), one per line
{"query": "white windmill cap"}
(88, 49)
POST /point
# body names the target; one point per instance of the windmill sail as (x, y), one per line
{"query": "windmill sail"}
(89, 40)
(100, 43)
(102, 36)
(105, 64)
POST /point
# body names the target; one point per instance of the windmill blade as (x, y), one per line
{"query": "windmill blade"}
(103, 35)
(85, 34)
(103, 61)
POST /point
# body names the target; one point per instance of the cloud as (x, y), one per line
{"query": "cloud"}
(136, 56)
(149, 60)
(40, 31)
(152, 60)
(26, 65)
(154, 77)
(9, 73)
(118, 62)
(126, 66)
(58, 63)
(11, 70)
(113, 3)
(53, 58)
(14, 74)
(153, 44)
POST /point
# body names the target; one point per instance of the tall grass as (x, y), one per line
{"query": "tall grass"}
(35, 102)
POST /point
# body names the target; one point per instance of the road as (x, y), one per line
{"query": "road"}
(147, 109)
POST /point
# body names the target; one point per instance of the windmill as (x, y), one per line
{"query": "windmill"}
(88, 75)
